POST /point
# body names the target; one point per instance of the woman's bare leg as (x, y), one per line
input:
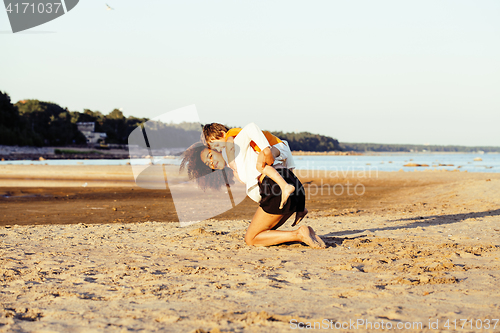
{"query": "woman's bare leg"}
(282, 221)
(260, 232)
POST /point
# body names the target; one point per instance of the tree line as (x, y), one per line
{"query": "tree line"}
(408, 148)
(306, 141)
(37, 123)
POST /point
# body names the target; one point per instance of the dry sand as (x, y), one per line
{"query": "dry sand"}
(416, 246)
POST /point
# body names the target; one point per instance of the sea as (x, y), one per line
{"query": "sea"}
(470, 162)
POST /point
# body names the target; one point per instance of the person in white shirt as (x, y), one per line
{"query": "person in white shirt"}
(248, 141)
(269, 216)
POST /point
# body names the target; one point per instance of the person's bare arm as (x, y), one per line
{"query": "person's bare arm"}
(276, 152)
(265, 158)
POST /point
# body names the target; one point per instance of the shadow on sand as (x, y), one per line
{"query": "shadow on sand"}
(418, 221)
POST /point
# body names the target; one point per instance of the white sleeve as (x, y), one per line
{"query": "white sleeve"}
(246, 158)
(254, 133)
(285, 156)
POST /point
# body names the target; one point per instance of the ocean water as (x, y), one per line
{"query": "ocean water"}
(396, 162)
(375, 162)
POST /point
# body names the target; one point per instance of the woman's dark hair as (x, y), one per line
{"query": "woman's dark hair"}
(196, 169)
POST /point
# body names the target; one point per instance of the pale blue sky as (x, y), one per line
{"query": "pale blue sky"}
(360, 71)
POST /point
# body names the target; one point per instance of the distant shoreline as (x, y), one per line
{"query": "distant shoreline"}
(15, 153)
(369, 153)
(336, 153)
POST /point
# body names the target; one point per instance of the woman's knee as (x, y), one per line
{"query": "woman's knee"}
(249, 240)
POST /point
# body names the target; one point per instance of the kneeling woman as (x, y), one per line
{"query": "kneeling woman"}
(201, 160)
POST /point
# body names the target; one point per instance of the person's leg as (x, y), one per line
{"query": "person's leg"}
(282, 221)
(260, 232)
(299, 216)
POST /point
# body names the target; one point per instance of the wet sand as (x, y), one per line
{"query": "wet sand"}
(414, 247)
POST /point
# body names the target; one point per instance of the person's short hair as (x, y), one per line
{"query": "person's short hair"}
(212, 131)
(204, 176)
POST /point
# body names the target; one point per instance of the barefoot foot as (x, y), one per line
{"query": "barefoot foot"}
(318, 239)
(305, 236)
(299, 216)
(285, 193)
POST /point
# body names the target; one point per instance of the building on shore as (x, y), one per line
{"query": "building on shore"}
(88, 129)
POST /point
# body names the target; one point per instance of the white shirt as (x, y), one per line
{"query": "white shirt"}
(285, 157)
(246, 157)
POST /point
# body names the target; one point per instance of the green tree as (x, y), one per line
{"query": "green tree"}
(51, 122)
(9, 116)
(306, 141)
(115, 114)
(13, 129)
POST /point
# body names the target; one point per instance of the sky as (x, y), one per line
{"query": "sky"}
(420, 72)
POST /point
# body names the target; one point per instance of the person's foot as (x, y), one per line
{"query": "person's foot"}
(307, 235)
(299, 216)
(285, 193)
(318, 239)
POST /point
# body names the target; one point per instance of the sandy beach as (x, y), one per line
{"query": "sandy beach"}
(83, 249)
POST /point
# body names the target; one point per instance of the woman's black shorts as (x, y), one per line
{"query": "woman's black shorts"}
(271, 194)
